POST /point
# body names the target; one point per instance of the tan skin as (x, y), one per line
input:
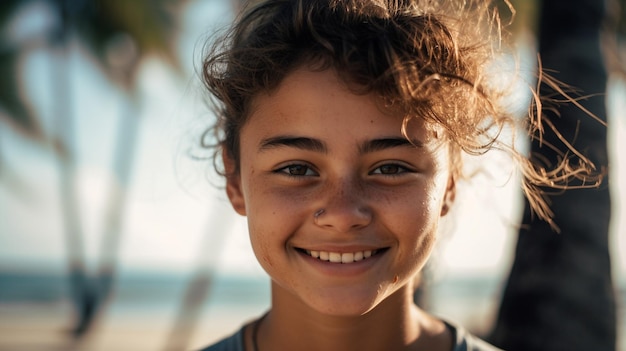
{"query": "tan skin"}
(312, 146)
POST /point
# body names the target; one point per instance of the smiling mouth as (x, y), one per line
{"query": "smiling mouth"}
(342, 257)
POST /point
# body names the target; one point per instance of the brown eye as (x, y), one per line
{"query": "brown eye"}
(297, 170)
(391, 169)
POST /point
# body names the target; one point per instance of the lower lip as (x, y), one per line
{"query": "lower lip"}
(343, 269)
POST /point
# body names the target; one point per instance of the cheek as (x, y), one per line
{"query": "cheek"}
(277, 207)
(417, 209)
(416, 220)
(273, 216)
(260, 246)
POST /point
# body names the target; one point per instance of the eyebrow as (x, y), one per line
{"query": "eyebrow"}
(388, 143)
(303, 143)
(316, 145)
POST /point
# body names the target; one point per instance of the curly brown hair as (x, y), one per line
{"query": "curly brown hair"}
(426, 59)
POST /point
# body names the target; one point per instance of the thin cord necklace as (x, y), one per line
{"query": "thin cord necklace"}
(255, 334)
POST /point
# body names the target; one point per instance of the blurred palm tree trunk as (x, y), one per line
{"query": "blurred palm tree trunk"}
(124, 52)
(115, 210)
(199, 287)
(83, 294)
(560, 295)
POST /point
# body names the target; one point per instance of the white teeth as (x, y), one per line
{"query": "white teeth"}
(337, 257)
(347, 257)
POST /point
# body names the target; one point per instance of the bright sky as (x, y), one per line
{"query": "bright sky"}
(174, 215)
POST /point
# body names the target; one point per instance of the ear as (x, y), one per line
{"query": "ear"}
(449, 196)
(233, 184)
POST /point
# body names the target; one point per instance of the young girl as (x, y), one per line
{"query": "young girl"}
(341, 127)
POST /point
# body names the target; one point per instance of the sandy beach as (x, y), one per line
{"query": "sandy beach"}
(142, 315)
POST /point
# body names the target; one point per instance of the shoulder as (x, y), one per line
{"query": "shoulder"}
(464, 341)
(230, 343)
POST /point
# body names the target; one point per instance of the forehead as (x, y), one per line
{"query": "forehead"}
(312, 101)
(304, 88)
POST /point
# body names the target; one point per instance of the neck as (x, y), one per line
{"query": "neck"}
(394, 324)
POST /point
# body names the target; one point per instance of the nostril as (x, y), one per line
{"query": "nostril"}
(343, 219)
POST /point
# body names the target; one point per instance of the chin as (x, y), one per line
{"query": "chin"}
(345, 310)
(345, 304)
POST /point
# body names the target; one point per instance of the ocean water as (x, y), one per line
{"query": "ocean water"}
(146, 311)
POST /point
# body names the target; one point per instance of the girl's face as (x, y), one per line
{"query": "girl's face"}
(342, 210)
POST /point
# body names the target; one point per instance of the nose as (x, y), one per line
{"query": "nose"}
(344, 207)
